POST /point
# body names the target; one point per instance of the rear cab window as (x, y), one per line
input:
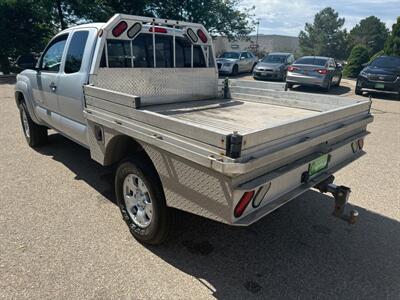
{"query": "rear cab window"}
(138, 53)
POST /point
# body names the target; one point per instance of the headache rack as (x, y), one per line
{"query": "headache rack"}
(128, 27)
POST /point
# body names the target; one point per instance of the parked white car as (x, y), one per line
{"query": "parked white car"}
(235, 62)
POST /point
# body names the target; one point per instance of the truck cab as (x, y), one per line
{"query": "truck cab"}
(55, 84)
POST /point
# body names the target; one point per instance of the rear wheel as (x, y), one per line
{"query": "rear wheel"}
(142, 202)
(340, 79)
(35, 135)
(328, 87)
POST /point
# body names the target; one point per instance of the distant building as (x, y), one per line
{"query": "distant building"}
(266, 44)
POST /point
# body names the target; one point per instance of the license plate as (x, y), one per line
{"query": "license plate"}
(318, 165)
(379, 86)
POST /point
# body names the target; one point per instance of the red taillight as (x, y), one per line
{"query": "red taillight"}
(322, 71)
(202, 36)
(119, 29)
(244, 201)
(291, 69)
(158, 30)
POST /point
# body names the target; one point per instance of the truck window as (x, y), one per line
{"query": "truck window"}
(51, 59)
(119, 55)
(75, 52)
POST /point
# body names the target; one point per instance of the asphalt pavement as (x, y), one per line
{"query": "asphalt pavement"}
(62, 236)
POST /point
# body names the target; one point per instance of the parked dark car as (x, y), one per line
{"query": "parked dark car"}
(382, 74)
(273, 66)
(314, 71)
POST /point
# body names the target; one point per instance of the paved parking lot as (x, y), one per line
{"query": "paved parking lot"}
(61, 234)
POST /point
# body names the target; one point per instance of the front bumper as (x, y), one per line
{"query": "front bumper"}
(224, 68)
(260, 74)
(364, 83)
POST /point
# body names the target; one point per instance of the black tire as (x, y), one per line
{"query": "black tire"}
(35, 135)
(358, 90)
(284, 76)
(328, 87)
(162, 218)
(289, 85)
(235, 70)
(340, 80)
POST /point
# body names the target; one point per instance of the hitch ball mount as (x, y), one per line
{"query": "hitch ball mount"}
(341, 194)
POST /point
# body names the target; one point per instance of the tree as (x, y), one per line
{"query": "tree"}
(218, 16)
(358, 56)
(392, 45)
(325, 36)
(370, 32)
(24, 27)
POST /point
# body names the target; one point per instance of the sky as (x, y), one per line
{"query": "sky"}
(288, 17)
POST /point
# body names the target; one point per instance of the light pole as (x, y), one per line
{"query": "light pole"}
(258, 24)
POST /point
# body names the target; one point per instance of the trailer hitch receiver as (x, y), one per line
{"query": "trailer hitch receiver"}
(341, 194)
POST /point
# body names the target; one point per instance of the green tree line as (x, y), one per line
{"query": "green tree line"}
(370, 38)
(27, 25)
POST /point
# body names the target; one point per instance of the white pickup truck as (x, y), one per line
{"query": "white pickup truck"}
(144, 94)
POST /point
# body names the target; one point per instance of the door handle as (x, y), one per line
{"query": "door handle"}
(53, 87)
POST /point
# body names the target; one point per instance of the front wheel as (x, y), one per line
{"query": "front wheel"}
(141, 199)
(358, 90)
(235, 70)
(35, 135)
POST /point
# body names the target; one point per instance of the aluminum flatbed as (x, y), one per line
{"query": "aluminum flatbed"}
(144, 94)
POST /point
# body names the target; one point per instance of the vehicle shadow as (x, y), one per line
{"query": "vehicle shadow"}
(337, 90)
(298, 251)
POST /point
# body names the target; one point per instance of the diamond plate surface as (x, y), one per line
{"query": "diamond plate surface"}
(192, 188)
(160, 85)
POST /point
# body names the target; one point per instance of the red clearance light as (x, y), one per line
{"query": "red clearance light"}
(119, 29)
(158, 30)
(202, 36)
(291, 69)
(322, 71)
(242, 204)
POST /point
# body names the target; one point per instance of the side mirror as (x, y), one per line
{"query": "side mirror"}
(26, 61)
(242, 57)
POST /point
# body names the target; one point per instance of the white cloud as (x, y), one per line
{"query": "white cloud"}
(289, 17)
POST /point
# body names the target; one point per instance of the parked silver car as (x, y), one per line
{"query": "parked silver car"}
(314, 71)
(273, 66)
(235, 62)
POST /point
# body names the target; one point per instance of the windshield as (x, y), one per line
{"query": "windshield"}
(311, 61)
(281, 59)
(233, 55)
(389, 62)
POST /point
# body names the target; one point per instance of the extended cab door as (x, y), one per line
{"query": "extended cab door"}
(73, 76)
